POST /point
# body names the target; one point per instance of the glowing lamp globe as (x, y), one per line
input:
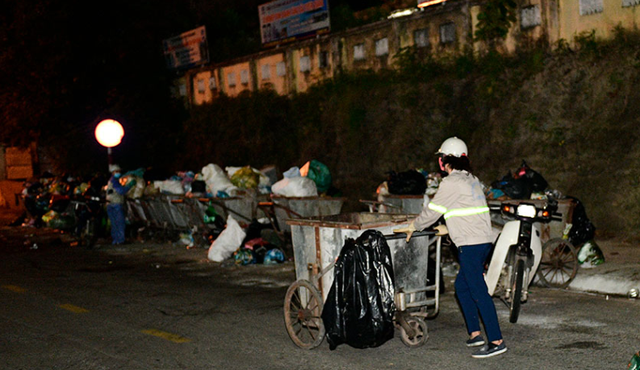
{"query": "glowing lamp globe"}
(109, 133)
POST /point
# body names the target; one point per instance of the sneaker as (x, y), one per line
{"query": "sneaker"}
(489, 350)
(475, 341)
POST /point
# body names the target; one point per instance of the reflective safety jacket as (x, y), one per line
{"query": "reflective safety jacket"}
(462, 202)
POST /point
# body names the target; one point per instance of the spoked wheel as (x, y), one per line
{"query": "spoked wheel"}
(420, 328)
(302, 314)
(516, 291)
(558, 264)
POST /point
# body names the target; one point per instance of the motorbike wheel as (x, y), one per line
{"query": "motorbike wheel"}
(516, 291)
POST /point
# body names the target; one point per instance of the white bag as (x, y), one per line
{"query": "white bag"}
(295, 187)
(169, 187)
(227, 242)
(217, 180)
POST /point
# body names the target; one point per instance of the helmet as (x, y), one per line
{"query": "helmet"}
(114, 168)
(453, 146)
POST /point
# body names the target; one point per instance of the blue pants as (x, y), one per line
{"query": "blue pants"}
(116, 216)
(472, 291)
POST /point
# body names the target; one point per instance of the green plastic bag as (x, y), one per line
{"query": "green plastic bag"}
(590, 255)
(319, 173)
(210, 215)
(634, 364)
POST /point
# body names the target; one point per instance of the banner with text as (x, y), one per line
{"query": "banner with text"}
(288, 20)
(187, 50)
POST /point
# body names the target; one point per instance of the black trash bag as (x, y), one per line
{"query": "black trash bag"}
(514, 188)
(409, 182)
(582, 230)
(536, 182)
(360, 307)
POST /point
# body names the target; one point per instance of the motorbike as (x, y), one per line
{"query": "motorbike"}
(517, 251)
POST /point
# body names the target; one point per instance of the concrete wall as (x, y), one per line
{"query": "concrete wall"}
(611, 14)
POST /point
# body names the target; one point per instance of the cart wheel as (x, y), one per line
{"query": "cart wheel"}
(302, 314)
(558, 264)
(420, 326)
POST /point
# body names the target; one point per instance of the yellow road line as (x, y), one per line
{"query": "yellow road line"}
(168, 336)
(14, 288)
(72, 308)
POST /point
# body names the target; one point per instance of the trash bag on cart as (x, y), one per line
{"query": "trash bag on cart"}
(360, 307)
(582, 230)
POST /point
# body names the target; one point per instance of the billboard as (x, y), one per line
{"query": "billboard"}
(288, 20)
(187, 50)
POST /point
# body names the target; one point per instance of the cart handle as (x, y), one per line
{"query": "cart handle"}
(396, 236)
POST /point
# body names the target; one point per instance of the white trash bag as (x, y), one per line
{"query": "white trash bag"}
(217, 180)
(295, 187)
(229, 240)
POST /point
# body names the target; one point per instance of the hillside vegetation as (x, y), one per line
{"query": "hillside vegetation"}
(572, 114)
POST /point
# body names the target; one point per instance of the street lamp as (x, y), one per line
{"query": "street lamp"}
(109, 133)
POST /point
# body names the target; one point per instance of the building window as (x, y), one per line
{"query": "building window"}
(212, 83)
(447, 33)
(182, 90)
(382, 47)
(323, 59)
(266, 72)
(358, 52)
(421, 38)
(200, 84)
(280, 70)
(628, 3)
(530, 17)
(244, 77)
(305, 64)
(591, 7)
(231, 77)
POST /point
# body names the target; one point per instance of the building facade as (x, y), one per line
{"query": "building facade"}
(439, 30)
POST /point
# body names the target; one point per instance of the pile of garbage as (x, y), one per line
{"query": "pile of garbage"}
(48, 199)
(526, 183)
(212, 181)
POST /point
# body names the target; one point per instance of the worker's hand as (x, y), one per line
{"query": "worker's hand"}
(409, 230)
(441, 230)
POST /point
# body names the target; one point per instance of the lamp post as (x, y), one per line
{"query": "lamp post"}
(109, 133)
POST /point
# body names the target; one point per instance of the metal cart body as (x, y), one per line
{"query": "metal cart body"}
(317, 243)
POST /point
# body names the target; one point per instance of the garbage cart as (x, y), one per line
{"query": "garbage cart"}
(317, 242)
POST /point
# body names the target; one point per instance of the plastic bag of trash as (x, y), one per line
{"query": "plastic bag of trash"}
(582, 229)
(295, 187)
(590, 255)
(273, 256)
(169, 187)
(634, 363)
(409, 182)
(245, 178)
(360, 307)
(227, 242)
(244, 256)
(217, 180)
(292, 172)
(319, 173)
(535, 181)
(513, 188)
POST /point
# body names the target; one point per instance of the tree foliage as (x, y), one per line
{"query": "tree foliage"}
(495, 20)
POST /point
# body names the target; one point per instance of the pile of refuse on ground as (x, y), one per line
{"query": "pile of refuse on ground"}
(47, 202)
